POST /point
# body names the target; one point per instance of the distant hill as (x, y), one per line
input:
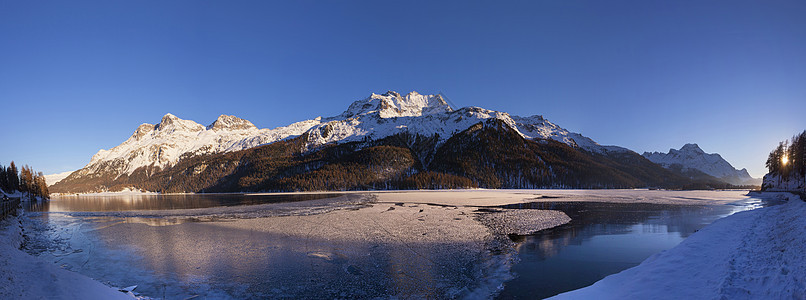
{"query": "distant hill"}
(693, 162)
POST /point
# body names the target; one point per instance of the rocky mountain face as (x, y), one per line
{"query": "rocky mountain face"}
(384, 141)
(693, 162)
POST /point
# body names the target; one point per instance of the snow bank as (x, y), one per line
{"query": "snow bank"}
(755, 254)
(15, 194)
(774, 182)
(26, 277)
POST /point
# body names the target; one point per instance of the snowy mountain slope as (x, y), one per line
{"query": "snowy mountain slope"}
(380, 115)
(690, 156)
(54, 178)
(390, 113)
(489, 154)
(163, 144)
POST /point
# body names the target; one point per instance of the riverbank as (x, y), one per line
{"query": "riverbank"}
(23, 276)
(755, 254)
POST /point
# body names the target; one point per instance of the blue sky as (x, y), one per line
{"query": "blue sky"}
(78, 76)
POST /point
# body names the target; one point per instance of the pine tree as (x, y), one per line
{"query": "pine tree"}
(3, 179)
(13, 178)
(34, 187)
(774, 161)
(43, 186)
(789, 159)
(797, 154)
(40, 186)
(26, 180)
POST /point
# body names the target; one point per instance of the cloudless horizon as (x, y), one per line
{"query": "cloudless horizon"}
(79, 76)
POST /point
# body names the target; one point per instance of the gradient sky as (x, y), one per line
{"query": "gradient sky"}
(78, 76)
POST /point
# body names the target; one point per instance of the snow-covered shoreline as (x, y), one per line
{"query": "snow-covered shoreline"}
(23, 276)
(754, 254)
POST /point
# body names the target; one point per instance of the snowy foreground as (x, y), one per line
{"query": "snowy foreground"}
(28, 277)
(756, 254)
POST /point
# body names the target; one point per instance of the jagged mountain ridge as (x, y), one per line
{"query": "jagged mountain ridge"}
(691, 159)
(231, 154)
(488, 154)
(157, 146)
(163, 144)
(382, 115)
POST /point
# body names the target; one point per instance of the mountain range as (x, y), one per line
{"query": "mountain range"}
(695, 163)
(384, 141)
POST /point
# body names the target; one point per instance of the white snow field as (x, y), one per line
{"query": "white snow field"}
(23, 276)
(775, 183)
(757, 254)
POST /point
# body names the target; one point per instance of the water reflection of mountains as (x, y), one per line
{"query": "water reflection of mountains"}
(165, 202)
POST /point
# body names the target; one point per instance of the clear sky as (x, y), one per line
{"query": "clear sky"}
(78, 76)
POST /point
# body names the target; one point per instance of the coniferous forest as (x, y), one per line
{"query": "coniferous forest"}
(25, 180)
(788, 161)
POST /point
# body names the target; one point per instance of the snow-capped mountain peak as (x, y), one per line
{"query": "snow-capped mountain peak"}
(391, 104)
(691, 156)
(166, 142)
(226, 122)
(142, 131)
(171, 123)
(382, 115)
(377, 116)
(689, 150)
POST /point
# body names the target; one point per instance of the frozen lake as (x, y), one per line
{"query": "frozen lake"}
(604, 239)
(178, 246)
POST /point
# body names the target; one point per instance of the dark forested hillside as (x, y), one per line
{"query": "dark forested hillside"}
(489, 154)
(495, 156)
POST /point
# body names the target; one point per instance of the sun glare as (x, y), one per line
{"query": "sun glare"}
(784, 160)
